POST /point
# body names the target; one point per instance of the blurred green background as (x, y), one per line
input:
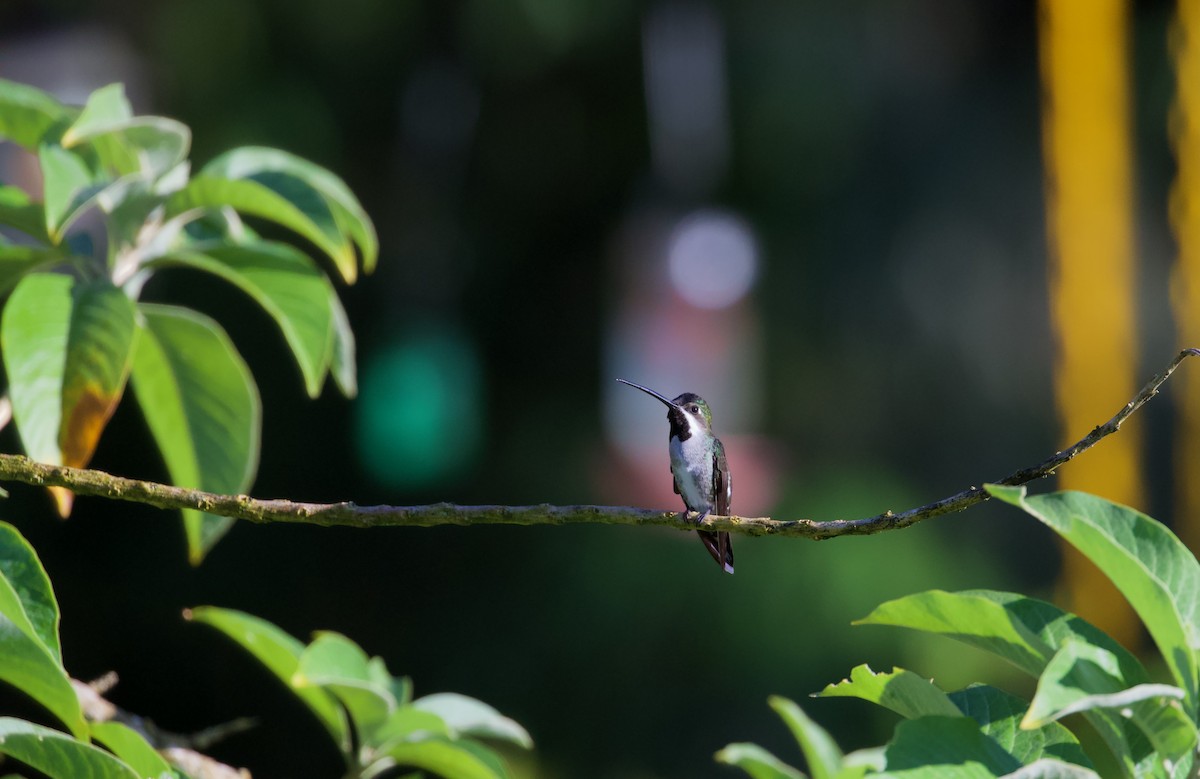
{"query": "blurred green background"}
(549, 180)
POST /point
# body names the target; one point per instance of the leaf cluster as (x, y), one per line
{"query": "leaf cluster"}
(74, 331)
(1147, 728)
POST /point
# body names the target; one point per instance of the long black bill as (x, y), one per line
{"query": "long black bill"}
(650, 392)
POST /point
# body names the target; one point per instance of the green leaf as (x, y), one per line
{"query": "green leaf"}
(68, 188)
(99, 352)
(33, 338)
(202, 408)
(1048, 768)
(448, 759)
(255, 162)
(471, 717)
(36, 608)
(999, 716)
(1083, 677)
(31, 668)
(17, 261)
(284, 202)
(945, 748)
(1026, 632)
(901, 691)
(410, 724)
(339, 665)
(126, 143)
(29, 116)
(280, 653)
(287, 284)
(129, 746)
(822, 753)
(1147, 563)
(17, 210)
(757, 762)
(342, 357)
(105, 107)
(58, 755)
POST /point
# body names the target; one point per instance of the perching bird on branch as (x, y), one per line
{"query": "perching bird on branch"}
(699, 467)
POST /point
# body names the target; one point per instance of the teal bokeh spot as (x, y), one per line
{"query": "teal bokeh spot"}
(420, 409)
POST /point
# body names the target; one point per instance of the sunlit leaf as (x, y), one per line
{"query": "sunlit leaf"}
(1082, 677)
(1146, 561)
(999, 715)
(287, 284)
(449, 759)
(342, 352)
(36, 610)
(254, 162)
(757, 762)
(33, 339)
(471, 717)
(300, 209)
(68, 187)
(202, 407)
(901, 691)
(99, 351)
(337, 664)
(28, 115)
(280, 653)
(410, 724)
(820, 751)
(126, 143)
(133, 749)
(58, 755)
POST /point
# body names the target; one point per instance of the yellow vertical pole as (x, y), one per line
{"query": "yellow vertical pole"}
(1084, 66)
(1185, 286)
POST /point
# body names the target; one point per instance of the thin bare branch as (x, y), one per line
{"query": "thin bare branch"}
(97, 483)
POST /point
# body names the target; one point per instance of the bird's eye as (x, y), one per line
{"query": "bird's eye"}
(694, 408)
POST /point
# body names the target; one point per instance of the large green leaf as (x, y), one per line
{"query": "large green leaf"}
(822, 753)
(68, 188)
(28, 115)
(129, 745)
(17, 210)
(339, 665)
(287, 284)
(470, 717)
(998, 713)
(757, 762)
(126, 143)
(945, 748)
(99, 352)
(280, 653)
(1147, 563)
(1027, 632)
(342, 357)
(30, 667)
(1000, 718)
(58, 755)
(35, 609)
(1082, 677)
(901, 691)
(448, 759)
(255, 162)
(33, 338)
(202, 407)
(16, 261)
(285, 202)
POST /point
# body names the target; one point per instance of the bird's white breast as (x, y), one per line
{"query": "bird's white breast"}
(692, 464)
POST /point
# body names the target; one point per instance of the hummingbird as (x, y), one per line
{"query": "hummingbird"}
(698, 467)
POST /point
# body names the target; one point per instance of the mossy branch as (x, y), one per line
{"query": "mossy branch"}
(14, 468)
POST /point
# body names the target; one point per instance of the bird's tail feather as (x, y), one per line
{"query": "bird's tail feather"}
(719, 546)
